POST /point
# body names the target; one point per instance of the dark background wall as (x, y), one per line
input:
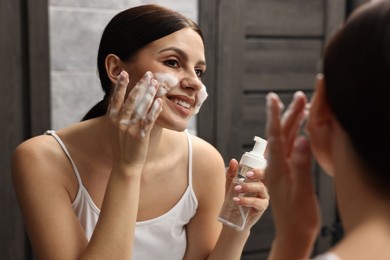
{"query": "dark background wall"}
(24, 104)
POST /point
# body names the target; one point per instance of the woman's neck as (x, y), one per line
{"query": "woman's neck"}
(357, 200)
(100, 131)
(367, 233)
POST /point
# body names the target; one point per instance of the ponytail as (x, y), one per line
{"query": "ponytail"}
(97, 110)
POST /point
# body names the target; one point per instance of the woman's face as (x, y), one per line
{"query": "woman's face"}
(181, 54)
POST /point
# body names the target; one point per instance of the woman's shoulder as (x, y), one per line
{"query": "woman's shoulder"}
(37, 158)
(208, 175)
(203, 151)
(207, 164)
(45, 148)
(41, 146)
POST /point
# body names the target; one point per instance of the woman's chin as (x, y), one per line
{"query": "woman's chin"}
(174, 126)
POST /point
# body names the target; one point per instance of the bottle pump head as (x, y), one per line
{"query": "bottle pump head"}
(255, 158)
(259, 147)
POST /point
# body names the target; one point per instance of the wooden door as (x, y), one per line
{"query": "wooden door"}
(254, 47)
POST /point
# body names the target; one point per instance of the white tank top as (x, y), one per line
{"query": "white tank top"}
(160, 238)
(327, 256)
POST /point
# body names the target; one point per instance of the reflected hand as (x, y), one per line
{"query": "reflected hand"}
(288, 174)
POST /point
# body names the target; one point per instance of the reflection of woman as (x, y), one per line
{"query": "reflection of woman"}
(348, 129)
(130, 182)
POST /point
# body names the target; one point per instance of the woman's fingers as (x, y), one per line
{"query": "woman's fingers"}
(151, 117)
(231, 172)
(294, 110)
(292, 120)
(138, 101)
(274, 109)
(117, 98)
(252, 194)
(275, 140)
(253, 189)
(256, 174)
(144, 101)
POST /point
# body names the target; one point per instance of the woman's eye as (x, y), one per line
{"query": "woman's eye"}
(199, 73)
(172, 63)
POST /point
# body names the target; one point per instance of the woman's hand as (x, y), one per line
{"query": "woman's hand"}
(258, 203)
(132, 118)
(288, 177)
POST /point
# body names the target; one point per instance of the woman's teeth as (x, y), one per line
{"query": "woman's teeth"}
(181, 103)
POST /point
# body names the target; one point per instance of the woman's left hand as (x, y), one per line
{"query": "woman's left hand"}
(258, 203)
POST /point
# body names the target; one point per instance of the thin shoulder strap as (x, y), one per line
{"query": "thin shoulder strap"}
(58, 139)
(189, 158)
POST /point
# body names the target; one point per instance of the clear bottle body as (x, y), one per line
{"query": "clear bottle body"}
(232, 214)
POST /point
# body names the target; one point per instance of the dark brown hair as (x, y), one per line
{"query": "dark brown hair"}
(127, 33)
(357, 78)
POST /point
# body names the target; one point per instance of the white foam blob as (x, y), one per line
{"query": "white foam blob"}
(200, 98)
(168, 81)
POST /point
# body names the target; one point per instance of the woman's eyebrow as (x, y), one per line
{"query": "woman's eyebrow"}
(182, 54)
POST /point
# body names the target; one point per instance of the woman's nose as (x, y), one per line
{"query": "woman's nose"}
(191, 83)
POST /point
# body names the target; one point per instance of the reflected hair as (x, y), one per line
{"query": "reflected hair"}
(357, 78)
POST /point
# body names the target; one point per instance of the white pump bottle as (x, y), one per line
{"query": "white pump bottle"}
(232, 214)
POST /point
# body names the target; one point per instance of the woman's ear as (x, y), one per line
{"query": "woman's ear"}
(319, 110)
(113, 67)
(320, 126)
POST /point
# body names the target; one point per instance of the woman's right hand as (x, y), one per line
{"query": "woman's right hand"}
(132, 119)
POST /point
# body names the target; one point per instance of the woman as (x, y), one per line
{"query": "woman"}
(128, 182)
(348, 131)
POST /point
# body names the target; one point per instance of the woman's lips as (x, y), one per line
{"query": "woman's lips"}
(180, 105)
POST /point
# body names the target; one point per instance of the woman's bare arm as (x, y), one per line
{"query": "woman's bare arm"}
(43, 191)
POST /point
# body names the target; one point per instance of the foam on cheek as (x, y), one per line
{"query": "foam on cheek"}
(200, 98)
(167, 82)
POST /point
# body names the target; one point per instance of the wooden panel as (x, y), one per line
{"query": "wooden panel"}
(12, 237)
(336, 11)
(25, 104)
(229, 76)
(281, 64)
(38, 65)
(208, 23)
(255, 256)
(284, 17)
(262, 234)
